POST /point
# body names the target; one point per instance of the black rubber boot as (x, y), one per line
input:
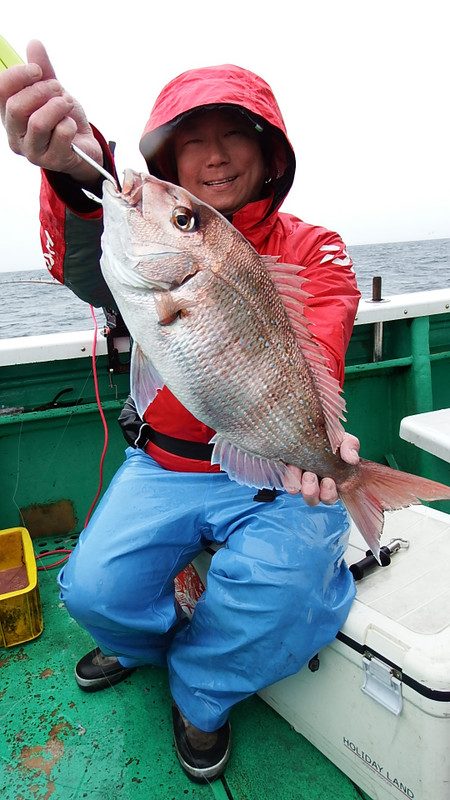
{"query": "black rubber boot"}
(203, 756)
(96, 671)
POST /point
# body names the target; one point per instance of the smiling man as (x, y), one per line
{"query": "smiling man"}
(279, 590)
(219, 159)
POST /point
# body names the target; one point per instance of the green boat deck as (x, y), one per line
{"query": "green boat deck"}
(59, 743)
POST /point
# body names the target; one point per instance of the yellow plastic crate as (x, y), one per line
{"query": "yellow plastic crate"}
(20, 605)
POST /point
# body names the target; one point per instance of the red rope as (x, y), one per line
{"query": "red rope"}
(102, 458)
(53, 553)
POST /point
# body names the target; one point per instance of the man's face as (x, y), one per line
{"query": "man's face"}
(219, 159)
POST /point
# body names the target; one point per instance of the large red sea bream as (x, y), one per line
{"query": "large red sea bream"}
(223, 328)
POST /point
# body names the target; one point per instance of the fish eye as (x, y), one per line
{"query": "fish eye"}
(184, 219)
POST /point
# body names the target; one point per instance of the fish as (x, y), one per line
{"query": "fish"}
(224, 329)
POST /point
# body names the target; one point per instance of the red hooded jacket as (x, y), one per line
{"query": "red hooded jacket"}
(71, 229)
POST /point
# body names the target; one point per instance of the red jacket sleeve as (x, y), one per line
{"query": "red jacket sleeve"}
(71, 229)
(331, 283)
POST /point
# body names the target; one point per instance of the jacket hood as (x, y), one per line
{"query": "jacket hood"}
(212, 87)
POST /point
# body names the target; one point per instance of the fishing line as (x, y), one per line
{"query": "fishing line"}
(93, 372)
(17, 475)
(50, 552)
(69, 417)
(54, 451)
(102, 417)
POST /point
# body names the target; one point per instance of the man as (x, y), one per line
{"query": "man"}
(279, 589)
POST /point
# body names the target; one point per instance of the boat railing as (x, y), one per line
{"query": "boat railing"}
(48, 404)
(78, 344)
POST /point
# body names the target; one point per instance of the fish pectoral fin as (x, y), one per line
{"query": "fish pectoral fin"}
(145, 381)
(169, 309)
(247, 468)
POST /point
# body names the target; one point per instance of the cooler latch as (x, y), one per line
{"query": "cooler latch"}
(383, 683)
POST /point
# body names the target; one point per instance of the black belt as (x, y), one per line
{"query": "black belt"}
(178, 447)
(197, 450)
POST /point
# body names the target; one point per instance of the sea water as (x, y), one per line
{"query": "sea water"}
(32, 303)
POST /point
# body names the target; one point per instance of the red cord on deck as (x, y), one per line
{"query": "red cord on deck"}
(99, 405)
(53, 553)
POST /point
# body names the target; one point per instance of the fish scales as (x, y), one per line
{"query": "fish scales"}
(249, 391)
(265, 370)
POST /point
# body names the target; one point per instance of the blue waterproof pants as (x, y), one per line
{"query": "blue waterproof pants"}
(277, 592)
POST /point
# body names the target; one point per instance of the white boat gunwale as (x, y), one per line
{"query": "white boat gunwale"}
(78, 344)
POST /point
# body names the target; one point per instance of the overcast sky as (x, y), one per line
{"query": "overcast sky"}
(363, 87)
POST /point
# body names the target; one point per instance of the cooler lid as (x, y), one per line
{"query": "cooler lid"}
(402, 611)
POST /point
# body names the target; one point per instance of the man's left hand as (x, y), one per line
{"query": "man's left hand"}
(307, 483)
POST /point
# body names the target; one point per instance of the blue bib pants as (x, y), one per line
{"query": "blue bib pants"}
(277, 591)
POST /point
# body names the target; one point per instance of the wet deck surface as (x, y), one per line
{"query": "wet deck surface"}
(59, 743)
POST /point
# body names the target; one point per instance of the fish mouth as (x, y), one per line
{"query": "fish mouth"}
(131, 194)
(131, 197)
(140, 256)
(111, 189)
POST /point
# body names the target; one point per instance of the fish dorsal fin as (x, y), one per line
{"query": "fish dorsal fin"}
(289, 286)
(144, 380)
(247, 468)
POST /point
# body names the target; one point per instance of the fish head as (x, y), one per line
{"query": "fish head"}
(156, 235)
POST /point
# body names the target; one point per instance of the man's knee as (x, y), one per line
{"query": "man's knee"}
(83, 590)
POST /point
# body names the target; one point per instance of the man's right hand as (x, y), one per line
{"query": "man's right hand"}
(42, 120)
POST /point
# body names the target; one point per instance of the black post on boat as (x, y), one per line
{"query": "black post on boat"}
(376, 289)
(378, 326)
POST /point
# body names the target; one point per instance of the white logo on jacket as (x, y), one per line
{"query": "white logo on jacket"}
(49, 255)
(333, 251)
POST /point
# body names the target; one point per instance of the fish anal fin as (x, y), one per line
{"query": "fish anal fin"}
(247, 468)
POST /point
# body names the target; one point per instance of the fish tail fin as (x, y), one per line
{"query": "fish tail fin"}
(376, 489)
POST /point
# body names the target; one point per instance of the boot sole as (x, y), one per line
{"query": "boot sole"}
(206, 774)
(96, 684)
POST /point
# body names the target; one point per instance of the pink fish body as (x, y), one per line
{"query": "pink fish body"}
(223, 328)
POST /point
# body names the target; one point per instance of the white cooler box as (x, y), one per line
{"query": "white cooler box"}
(379, 704)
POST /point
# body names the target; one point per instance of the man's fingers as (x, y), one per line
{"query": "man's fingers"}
(41, 120)
(349, 449)
(21, 106)
(37, 54)
(328, 491)
(31, 116)
(14, 79)
(292, 480)
(50, 132)
(310, 488)
(315, 491)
